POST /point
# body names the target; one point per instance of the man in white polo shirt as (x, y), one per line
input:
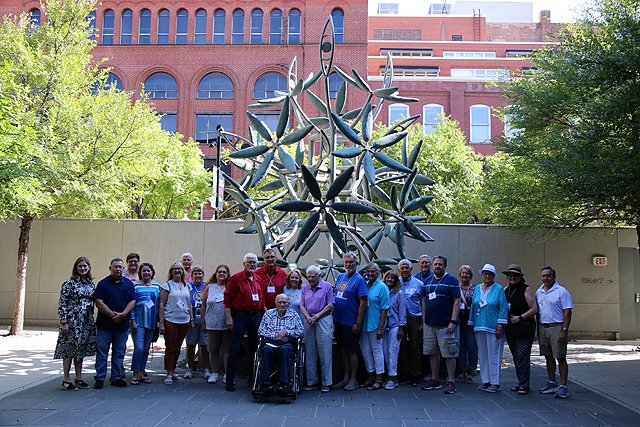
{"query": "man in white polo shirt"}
(554, 311)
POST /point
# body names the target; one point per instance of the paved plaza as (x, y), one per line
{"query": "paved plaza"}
(604, 390)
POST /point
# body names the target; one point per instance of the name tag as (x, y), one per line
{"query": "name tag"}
(482, 303)
(255, 297)
(462, 306)
(198, 304)
(339, 294)
(432, 295)
(410, 291)
(271, 289)
(509, 306)
(181, 304)
(219, 298)
(149, 304)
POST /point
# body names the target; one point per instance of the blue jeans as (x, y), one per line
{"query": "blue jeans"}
(141, 343)
(285, 352)
(242, 322)
(117, 340)
(468, 359)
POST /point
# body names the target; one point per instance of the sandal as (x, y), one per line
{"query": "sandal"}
(81, 384)
(367, 384)
(67, 385)
(375, 386)
(515, 388)
(135, 381)
(144, 380)
(168, 380)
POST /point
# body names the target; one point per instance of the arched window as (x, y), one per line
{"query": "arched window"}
(275, 27)
(108, 19)
(34, 17)
(113, 79)
(182, 25)
(334, 84)
(398, 112)
(480, 124)
(200, 33)
(144, 32)
(256, 26)
(219, 23)
(268, 83)
(91, 19)
(163, 27)
(338, 25)
(161, 86)
(237, 27)
(430, 115)
(215, 86)
(294, 26)
(126, 24)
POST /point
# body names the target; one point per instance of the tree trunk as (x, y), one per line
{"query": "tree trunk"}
(638, 235)
(21, 276)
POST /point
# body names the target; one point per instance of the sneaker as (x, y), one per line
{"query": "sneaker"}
(432, 385)
(484, 387)
(493, 388)
(224, 379)
(213, 378)
(188, 375)
(206, 374)
(177, 379)
(119, 383)
(562, 392)
(98, 384)
(351, 386)
(549, 388)
(310, 387)
(325, 389)
(390, 385)
(450, 388)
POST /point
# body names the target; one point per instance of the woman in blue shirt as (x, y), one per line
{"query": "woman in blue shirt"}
(144, 321)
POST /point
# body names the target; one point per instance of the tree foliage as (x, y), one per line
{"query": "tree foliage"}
(575, 157)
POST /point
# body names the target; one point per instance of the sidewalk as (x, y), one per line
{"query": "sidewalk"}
(604, 390)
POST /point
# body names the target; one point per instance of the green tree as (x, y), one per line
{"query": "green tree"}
(71, 146)
(456, 169)
(574, 158)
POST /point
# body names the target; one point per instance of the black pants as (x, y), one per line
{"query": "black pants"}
(521, 350)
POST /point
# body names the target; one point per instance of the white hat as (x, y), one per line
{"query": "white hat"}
(488, 267)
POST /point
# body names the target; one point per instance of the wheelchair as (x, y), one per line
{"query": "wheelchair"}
(296, 371)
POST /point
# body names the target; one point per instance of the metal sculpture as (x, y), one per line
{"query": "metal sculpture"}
(331, 180)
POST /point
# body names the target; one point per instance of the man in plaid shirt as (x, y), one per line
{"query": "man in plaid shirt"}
(280, 326)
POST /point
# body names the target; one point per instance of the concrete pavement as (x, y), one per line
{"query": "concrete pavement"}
(604, 390)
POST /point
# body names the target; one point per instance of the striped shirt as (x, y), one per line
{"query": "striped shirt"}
(146, 309)
(272, 323)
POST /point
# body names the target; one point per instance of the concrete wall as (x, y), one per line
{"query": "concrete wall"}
(55, 244)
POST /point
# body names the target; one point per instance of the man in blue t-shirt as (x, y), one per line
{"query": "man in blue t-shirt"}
(351, 302)
(442, 305)
(115, 297)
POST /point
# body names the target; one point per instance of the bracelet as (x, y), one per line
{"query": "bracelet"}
(521, 318)
(565, 329)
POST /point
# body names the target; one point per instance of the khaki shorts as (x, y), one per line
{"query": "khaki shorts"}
(432, 343)
(548, 340)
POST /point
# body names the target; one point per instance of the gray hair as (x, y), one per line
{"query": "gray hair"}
(269, 250)
(249, 255)
(425, 256)
(351, 255)
(405, 262)
(186, 254)
(314, 269)
(374, 266)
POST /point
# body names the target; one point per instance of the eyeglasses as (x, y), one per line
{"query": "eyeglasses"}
(221, 272)
(133, 261)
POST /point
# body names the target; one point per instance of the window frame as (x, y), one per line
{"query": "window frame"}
(472, 135)
(396, 106)
(126, 27)
(256, 27)
(224, 93)
(337, 15)
(210, 133)
(162, 38)
(144, 38)
(268, 90)
(108, 31)
(431, 125)
(182, 19)
(200, 36)
(275, 37)
(292, 35)
(237, 33)
(169, 91)
(219, 20)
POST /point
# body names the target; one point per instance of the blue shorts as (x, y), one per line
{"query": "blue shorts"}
(197, 335)
(346, 338)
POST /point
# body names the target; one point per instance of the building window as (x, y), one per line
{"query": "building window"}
(338, 25)
(107, 26)
(126, 24)
(468, 55)
(396, 34)
(34, 17)
(400, 51)
(215, 86)
(267, 84)
(456, 38)
(475, 73)
(275, 27)
(480, 124)
(509, 130)
(161, 86)
(413, 71)
(388, 8)
(114, 80)
(439, 9)
(294, 26)
(144, 33)
(182, 25)
(91, 20)
(163, 27)
(335, 81)
(168, 122)
(270, 119)
(206, 125)
(430, 116)
(237, 27)
(256, 26)
(398, 112)
(200, 33)
(525, 53)
(218, 26)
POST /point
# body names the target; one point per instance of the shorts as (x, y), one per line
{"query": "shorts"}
(433, 342)
(346, 338)
(548, 340)
(197, 335)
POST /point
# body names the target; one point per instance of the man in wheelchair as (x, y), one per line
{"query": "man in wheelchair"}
(280, 330)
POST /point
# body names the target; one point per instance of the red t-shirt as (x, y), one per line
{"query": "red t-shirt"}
(244, 293)
(272, 285)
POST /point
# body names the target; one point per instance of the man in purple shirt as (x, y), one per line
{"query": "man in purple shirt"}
(315, 305)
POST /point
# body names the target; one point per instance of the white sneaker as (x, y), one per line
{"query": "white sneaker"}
(390, 385)
(189, 374)
(206, 374)
(224, 379)
(213, 378)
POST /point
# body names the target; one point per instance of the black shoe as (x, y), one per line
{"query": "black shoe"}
(119, 383)
(98, 385)
(230, 387)
(282, 390)
(267, 390)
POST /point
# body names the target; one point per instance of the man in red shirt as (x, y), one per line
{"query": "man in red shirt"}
(271, 278)
(243, 304)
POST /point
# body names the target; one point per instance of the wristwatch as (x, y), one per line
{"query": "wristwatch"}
(455, 322)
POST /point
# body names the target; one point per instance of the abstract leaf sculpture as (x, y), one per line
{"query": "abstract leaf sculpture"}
(331, 180)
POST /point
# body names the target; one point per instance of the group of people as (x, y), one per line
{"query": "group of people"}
(397, 317)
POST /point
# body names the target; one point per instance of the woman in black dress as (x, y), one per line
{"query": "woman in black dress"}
(77, 336)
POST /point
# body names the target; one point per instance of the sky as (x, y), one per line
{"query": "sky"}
(561, 10)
